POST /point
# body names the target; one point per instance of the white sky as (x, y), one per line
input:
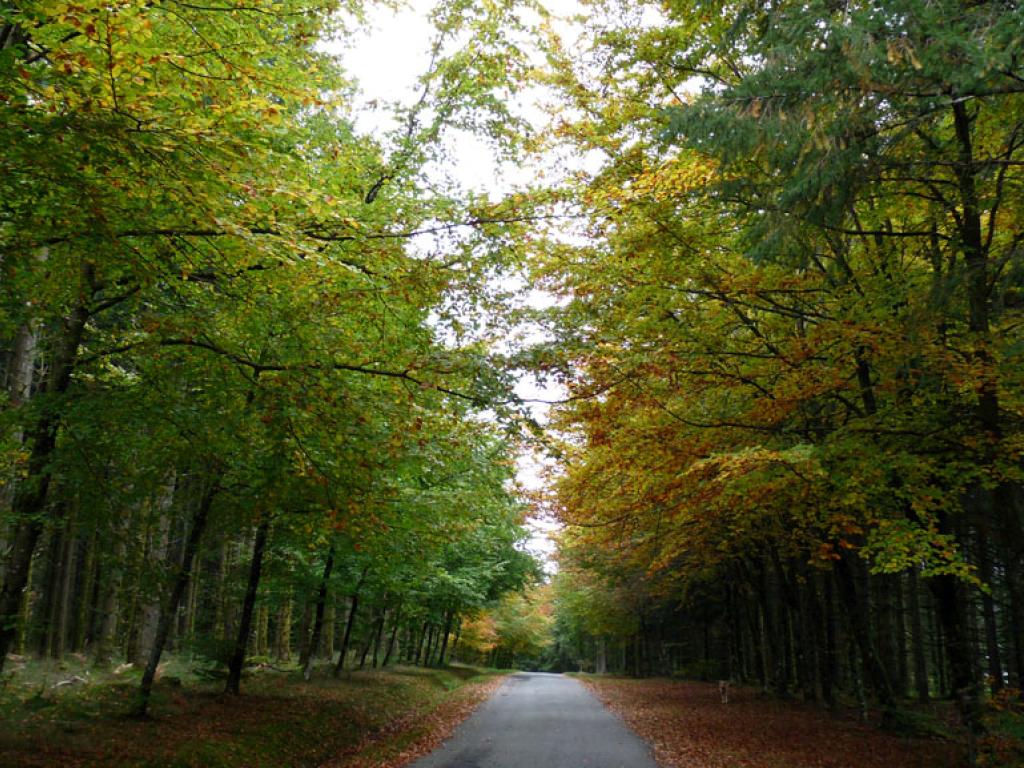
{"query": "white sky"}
(386, 59)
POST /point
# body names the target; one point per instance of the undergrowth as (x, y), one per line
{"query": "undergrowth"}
(280, 720)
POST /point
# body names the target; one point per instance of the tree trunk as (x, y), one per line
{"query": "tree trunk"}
(318, 620)
(157, 557)
(917, 638)
(859, 625)
(952, 604)
(349, 624)
(67, 574)
(171, 606)
(444, 637)
(110, 603)
(88, 597)
(237, 661)
(455, 642)
(379, 635)
(419, 644)
(327, 636)
(988, 610)
(28, 508)
(262, 625)
(396, 619)
(283, 632)
(428, 654)
(369, 640)
(903, 673)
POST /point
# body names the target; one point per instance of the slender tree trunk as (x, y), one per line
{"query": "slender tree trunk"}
(350, 623)
(428, 654)
(318, 620)
(178, 590)
(378, 636)
(859, 626)
(158, 551)
(903, 672)
(396, 619)
(444, 637)
(830, 656)
(48, 608)
(917, 639)
(28, 509)
(1010, 500)
(988, 610)
(89, 596)
(105, 640)
(66, 587)
(262, 627)
(885, 631)
(245, 623)
(419, 645)
(188, 630)
(327, 635)
(20, 375)
(369, 640)
(24, 613)
(952, 602)
(283, 632)
(455, 643)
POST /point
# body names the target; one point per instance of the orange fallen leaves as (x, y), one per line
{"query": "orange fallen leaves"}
(688, 727)
(428, 730)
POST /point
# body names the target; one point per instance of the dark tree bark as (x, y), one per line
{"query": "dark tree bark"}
(237, 662)
(917, 637)
(396, 619)
(163, 629)
(860, 627)
(444, 637)
(318, 619)
(28, 509)
(952, 603)
(419, 644)
(428, 654)
(352, 611)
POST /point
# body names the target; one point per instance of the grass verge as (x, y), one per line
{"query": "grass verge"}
(370, 718)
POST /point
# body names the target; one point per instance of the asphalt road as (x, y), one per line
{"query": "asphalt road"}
(541, 721)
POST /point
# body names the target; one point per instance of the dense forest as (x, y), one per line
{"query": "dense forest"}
(259, 362)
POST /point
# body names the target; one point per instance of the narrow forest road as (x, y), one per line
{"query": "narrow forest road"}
(541, 721)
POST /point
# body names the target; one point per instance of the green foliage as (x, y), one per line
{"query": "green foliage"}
(226, 305)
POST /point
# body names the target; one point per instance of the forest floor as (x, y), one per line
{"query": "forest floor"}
(689, 727)
(368, 718)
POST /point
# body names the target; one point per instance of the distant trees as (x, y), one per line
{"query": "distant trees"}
(516, 632)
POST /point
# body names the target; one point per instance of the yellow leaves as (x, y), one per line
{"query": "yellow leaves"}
(902, 49)
(826, 552)
(675, 178)
(672, 180)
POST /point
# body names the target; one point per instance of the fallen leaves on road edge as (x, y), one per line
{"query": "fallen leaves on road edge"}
(427, 730)
(686, 725)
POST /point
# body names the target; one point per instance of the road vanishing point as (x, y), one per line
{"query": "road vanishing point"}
(538, 720)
